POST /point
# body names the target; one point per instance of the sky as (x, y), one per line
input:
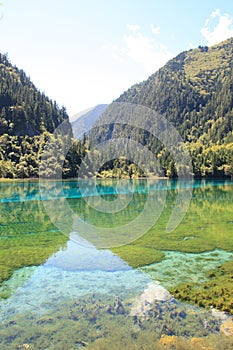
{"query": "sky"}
(86, 52)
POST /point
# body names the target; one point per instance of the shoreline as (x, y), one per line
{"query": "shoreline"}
(154, 177)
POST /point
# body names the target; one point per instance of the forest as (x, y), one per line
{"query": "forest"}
(28, 120)
(193, 91)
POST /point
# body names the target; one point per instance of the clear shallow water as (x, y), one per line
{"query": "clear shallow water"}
(83, 277)
(78, 271)
(68, 274)
(177, 267)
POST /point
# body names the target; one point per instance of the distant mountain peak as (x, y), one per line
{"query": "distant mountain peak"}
(84, 121)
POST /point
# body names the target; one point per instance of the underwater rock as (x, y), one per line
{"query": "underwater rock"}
(82, 344)
(227, 328)
(154, 292)
(219, 315)
(177, 313)
(169, 317)
(117, 307)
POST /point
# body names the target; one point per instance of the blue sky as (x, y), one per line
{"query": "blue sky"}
(85, 52)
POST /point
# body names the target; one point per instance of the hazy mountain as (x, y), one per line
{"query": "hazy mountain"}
(83, 122)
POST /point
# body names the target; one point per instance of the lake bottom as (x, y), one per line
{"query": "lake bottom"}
(87, 298)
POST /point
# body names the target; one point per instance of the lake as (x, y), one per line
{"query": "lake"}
(115, 264)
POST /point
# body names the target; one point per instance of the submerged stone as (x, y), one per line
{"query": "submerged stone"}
(227, 328)
(154, 292)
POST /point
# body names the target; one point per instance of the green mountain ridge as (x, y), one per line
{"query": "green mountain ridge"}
(193, 91)
(28, 119)
(24, 110)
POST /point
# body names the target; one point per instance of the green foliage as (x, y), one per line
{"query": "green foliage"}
(213, 160)
(20, 156)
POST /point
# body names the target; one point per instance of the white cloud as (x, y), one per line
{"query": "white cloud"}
(155, 30)
(143, 50)
(133, 27)
(215, 13)
(217, 27)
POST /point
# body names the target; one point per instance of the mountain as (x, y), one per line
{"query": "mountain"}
(84, 121)
(28, 119)
(24, 110)
(193, 91)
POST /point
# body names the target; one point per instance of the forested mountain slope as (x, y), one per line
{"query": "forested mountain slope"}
(24, 110)
(194, 91)
(28, 119)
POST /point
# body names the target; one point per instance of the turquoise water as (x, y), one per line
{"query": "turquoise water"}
(30, 190)
(79, 277)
